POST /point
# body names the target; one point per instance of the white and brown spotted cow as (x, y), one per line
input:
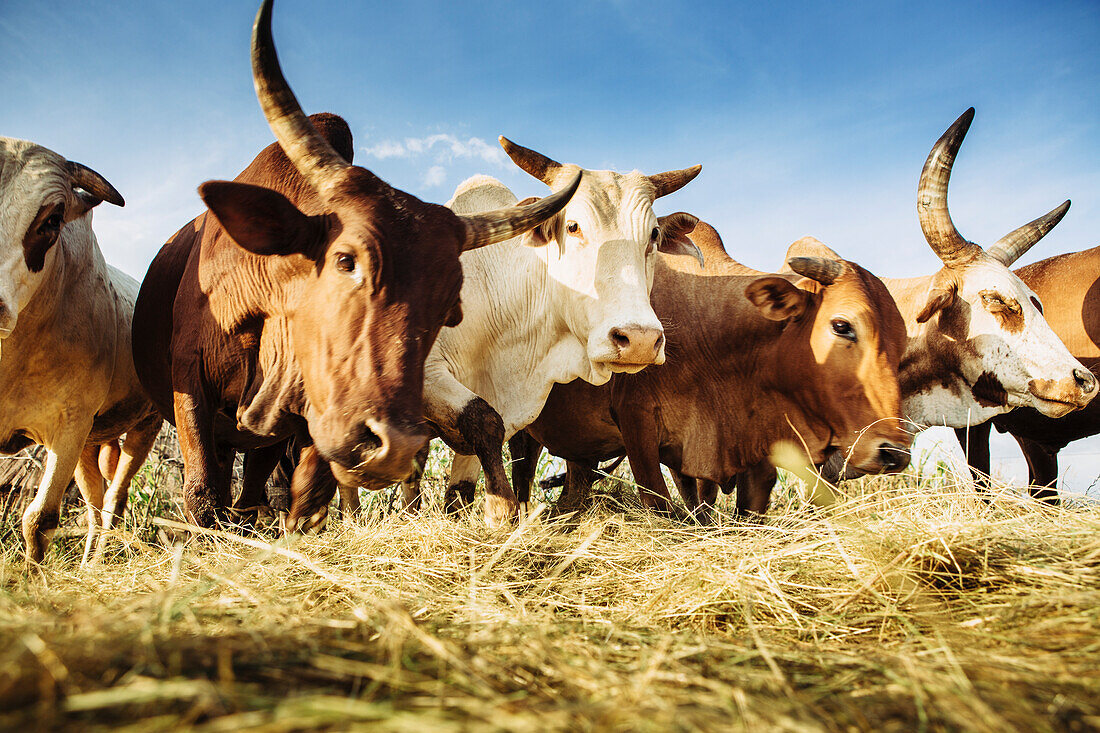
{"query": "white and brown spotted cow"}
(67, 378)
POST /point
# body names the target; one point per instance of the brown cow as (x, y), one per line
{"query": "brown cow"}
(303, 304)
(1068, 288)
(753, 359)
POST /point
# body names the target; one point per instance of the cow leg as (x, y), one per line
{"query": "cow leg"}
(311, 489)
(640, 438)
(461, 483)
(707, 493)
(277, 489)
(470, 425)
(201, 470)
(43, 513)
(410, 487)
(1042, 469)
(349, 501)
(525, 452)
(577, 487)
(754, 490)
(975, 444)
(259, 464)
(688, 486)
(89, 479)
(127, 462)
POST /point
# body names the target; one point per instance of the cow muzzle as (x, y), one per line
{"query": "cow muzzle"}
(885, 456)
(1055, 398)
(636, 346)
(381, 454)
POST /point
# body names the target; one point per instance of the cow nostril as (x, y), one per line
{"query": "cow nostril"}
(659, 344)
(1085, 380)
(893, 457)
(367, 439)
(619, 338)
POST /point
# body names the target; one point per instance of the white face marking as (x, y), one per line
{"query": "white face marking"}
(1014, 345)
(604, 263)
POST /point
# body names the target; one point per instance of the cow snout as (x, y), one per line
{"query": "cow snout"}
(637, 344)
(1086, 381)
(893, 457)
(1055, 398)
(394, 451)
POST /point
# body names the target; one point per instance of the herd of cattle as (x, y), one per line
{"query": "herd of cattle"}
(315, 311)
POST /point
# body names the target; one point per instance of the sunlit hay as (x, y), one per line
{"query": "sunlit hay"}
(904, 604)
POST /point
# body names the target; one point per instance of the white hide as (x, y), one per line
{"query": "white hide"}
(1015, 359)
(536, 315)
(68, 357)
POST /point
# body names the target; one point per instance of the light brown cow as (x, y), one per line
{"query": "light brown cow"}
(753, 359)
(67, 378)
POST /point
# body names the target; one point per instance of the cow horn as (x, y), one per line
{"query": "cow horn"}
(1013, 245)
(310, 153)
(95, 184)
(538, 165)
(935, 220)
(671, 181)
(824, 271)
(496, 226)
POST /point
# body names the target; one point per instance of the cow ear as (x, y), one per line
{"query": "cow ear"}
(674, 235)
(777, 298)
(549, 231)
(938, 299)
(260, 220)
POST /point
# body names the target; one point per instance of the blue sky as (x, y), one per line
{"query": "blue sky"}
(808, 118)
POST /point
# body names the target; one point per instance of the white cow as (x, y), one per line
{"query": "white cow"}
(568, 300)
(67, 378)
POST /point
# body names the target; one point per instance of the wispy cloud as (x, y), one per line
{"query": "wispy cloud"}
(440, 147)
(435, 176)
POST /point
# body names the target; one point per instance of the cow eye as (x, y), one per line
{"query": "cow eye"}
(992, 300)
(52, 223)
(655, 234)
(345, 262)
(843, 329)
(572, 227)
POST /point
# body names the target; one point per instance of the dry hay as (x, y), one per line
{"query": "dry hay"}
(908, 605)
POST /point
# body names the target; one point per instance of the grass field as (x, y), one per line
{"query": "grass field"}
(908, 605)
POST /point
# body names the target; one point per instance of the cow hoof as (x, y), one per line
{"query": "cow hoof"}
(500, 512)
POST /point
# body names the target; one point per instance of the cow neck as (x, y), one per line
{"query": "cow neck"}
(924, 365)
(508, 297)
(723, 354)
(74, 256)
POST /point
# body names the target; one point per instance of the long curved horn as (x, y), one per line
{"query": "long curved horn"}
(935, 220)
(538, 165)
(1013, 245)
(822, 270)
(496, 226)
(307, 150)
(670, 181)
(95, 184)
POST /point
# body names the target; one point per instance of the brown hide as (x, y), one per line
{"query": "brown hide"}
(258, 343)
(733, 379)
